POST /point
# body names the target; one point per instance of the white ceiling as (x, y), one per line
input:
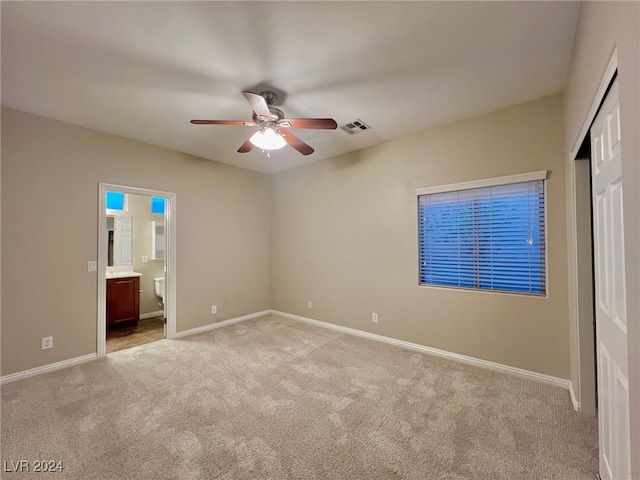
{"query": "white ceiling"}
(142, 70)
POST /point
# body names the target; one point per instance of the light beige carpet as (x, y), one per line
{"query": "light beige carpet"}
(273, 398)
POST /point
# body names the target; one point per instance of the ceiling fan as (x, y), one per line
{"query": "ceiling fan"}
(274, 127)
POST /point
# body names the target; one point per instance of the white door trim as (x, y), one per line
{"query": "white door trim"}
(608, 75)
(584, 330)
(170, 260)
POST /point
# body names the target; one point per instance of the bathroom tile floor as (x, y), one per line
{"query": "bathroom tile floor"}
(147, 331)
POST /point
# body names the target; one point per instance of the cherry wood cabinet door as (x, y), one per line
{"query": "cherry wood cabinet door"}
(123, 300)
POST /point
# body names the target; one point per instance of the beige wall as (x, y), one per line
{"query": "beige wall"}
(50, 175)
(602, 27)
(344, 236)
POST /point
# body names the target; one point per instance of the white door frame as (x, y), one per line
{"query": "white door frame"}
(586, 368)
(170, 259)
(606, 81)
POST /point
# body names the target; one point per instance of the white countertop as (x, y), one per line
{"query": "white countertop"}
(122, 274)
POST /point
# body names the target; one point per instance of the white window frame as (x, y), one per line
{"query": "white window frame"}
(491, 182)
(125, 206)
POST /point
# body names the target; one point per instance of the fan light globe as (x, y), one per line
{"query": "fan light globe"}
(268, 139)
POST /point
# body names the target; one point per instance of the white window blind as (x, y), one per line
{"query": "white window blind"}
(484, 238)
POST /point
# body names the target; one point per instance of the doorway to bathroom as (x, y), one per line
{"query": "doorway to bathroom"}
(136, 265)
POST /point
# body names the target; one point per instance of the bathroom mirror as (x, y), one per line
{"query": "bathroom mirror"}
(119, 240)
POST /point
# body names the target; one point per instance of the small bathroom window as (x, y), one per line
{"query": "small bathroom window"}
(157, 205)
(115, 201)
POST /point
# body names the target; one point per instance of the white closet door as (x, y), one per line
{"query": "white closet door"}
(610, 303)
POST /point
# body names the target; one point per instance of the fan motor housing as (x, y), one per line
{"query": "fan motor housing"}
(276, 113)
(270, 97)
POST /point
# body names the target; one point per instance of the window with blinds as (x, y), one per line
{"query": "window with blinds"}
(489, 238)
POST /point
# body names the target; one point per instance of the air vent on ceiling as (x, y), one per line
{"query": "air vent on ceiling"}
(354, 127)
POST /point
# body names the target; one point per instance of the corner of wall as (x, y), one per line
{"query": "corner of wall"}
(574, 401)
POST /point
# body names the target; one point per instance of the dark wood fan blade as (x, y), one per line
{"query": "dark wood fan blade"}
(295, 142)
(246, 146)
(224, 122)
(259, 105)
(320, 123)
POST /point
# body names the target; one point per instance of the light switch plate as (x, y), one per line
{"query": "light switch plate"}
(92, 266)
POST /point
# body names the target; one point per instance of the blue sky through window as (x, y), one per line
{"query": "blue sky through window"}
(157, 205)
(115, 200)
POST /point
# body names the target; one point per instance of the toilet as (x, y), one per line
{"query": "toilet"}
(159, 287)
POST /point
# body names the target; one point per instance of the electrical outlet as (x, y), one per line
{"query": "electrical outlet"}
(309, 305)
(214, 309)
(145, 258)
(47, 342)
(374, 317)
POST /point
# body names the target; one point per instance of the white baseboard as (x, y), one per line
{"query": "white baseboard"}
(538, 377)
(574, 400)
(159, 313)
(476, 362)
(47, 368)
(224, 323)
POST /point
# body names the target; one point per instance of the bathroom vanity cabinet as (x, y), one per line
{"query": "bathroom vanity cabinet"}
(123, 300)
